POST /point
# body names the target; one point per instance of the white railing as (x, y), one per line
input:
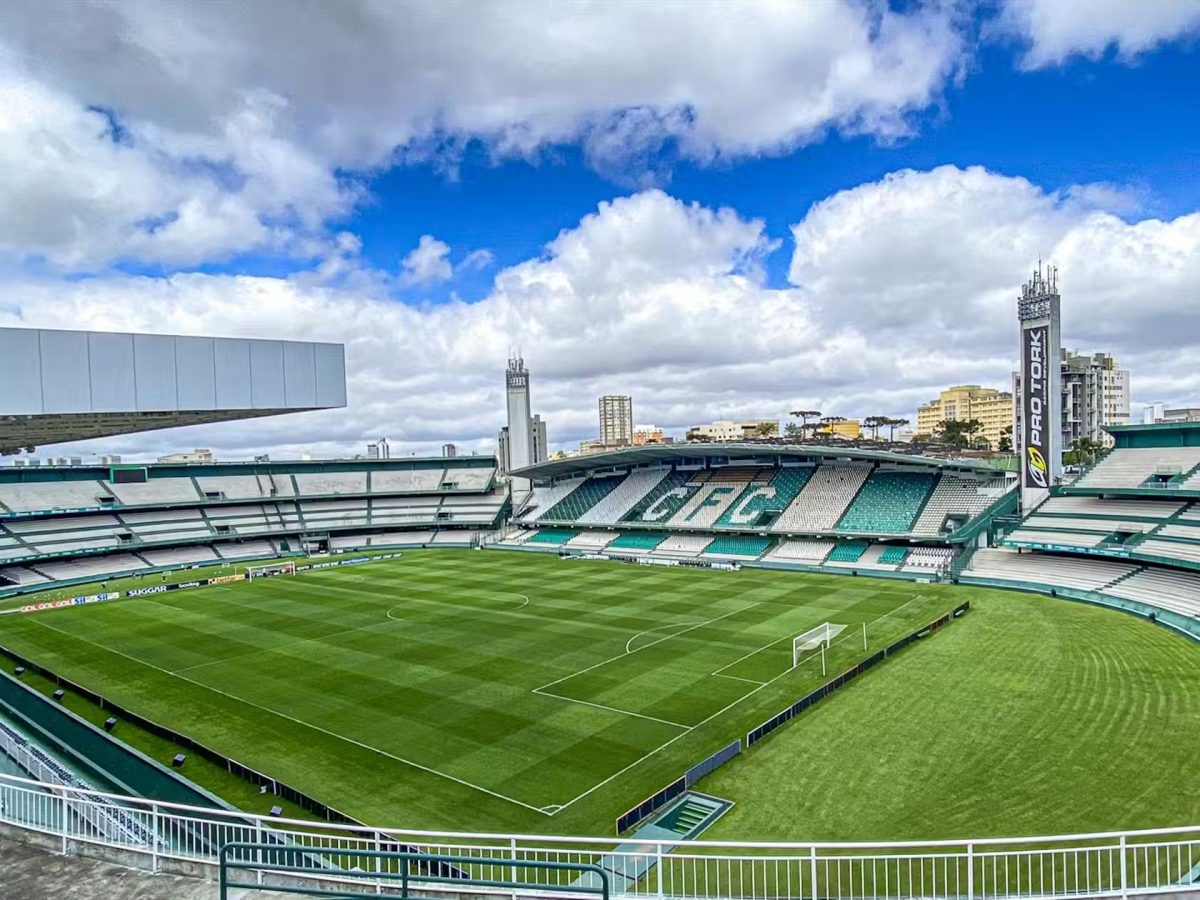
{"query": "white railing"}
(1116, 864)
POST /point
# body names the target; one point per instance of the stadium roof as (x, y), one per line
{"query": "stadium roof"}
(761, 452)
(60, 386)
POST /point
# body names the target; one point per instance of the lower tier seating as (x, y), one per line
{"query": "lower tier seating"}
(744, 547)
(637, 540)
(1083, 574)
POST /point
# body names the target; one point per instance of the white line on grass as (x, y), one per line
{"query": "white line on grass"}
(846, 634)
(624, 712)
(274, 712)
(661, 628)
(668, 637)
(734, 678)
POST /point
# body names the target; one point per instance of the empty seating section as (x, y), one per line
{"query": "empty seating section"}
(455, 538)
(404, 510)
(847, 551)
(245, 550)
(406, 481)
(809, 552)
(821, 503)
(179, 556)
(247, 519)
(577, 502)
(1180, 550)
(1164, 588)
(282, 485)
(475, 509)
(683, 545)
(1105, 526)
(893, 555)
(93, 567)
(46, 495)
(162, 525)
(741, 546)
(12, 547)
(1059, 538)
(1130, 467)
(316, 484)
(322, 514)
(18, 575)
(1085, 574)
(622, 498)
(479, 479)
(551, 536)
(663, 499)
(591, 540)
(889, 502)
(546, 497)
(397, 538)
(156, 490)
(760, 499)
(233, 487)
(958, 497)
(1095, 506)
(925, 559)
(1187, 532)
(637, 540)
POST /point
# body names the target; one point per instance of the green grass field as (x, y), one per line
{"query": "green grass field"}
(505, 691)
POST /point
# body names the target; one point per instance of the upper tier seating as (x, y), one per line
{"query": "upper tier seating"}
(234, 487)
(622, 498)
(179, 556)
(1130, 467)
(315, 484)
(1062, 538)
(156, 490)
(664, 500)
(823, 500)
(404, 510)
(801, 551)
(709, 501)
(580, 500)
(1104, 526)
(954, 496)
(45, 495)
(247, 519)
(476, 479)
(11, 547)
(1094, 506)
(759, 499)
(320, 514)
(545, 497)
(281, 485)
(245, 550)
(1165, 588)
(1181, 550)
(1085, 574)
(636, 540)
(888, 503)
(739, 546)
(406, 480)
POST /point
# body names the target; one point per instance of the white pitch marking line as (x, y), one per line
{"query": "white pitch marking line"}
(301, 722)
(624, 712)
(845, 635)
(661, 628)
(735, 678)
(668, 637)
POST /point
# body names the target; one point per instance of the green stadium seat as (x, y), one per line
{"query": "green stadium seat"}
(755, 501)
(889, 502)
(847, 551)
(636, 540)
(738, 546)
(580, 500)
(552, 536)
(893, 555)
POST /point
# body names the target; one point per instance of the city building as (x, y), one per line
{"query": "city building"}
(449, 451)
(1159, 414)
(963, 402)
(502, 451)
(1095, 393)
(541, 447)
(727, 430)
(616, 420)
(848, 429)
(110, 460)
(523, 441)
(379, 450)
(649, 434)
(64, 461)
(193, 457)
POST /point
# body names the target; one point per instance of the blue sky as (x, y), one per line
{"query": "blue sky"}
(843, 197)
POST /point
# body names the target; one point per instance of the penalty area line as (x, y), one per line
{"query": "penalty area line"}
(624, 712)
(301, 722)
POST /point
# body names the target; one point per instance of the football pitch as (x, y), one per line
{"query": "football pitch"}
(474, 690)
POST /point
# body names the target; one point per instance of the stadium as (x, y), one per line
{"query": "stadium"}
(760, 669)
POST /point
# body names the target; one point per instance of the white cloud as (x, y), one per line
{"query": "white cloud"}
(1059, 29)
(477, 260)
(239, 115)
(902, 286)
(428, 262)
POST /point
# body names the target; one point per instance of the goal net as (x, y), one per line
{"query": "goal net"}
(818, 638)
(267, 571)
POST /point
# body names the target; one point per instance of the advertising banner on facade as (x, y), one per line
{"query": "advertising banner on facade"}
(1035, 406)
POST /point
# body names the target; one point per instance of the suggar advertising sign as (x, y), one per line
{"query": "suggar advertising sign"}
(1035, 406)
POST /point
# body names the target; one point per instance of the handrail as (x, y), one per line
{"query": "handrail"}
(432, 862)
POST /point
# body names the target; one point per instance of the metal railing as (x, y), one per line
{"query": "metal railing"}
(1114, 864)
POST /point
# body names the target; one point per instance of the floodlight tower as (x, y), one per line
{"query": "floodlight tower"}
(1039, 402)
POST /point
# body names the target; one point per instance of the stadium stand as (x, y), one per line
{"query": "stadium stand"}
(552, 536)
(893, 556)
(1060, 538)
(591, 540)
(1106, 526)
(1094, 506)
(847, 552)
(155, 491)
(821, 503)
(1164, 588)
(683, 545)
(584, 497)
(246, 550)
(622, 498)
(961, 498)
(1130, 467)
(637, 540)
(760, 500)
(889, 502)
(923, 560)
(738, 546)
(316, 484)
(179, 557)
(664, 500)
(410, 481)
(1183, 551)
(454, 538)
(232, 487)
(386, 539)
(807, 552)
(545, 498)
(54, 495)
(467, 479)
(1085, 574)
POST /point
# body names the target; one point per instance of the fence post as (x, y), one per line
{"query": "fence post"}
(258, 855)
(1124, 871)
(970, 871)
(154, 816)
(658, 856)
(812, 865)
(378, 864)
(512, 870)
(62, 798)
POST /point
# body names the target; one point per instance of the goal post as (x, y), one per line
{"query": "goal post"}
(267, 571)
(818, 639)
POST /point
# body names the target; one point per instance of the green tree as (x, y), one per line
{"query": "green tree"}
(1006, 444)
(766, 429)
(892, 425)
(1086, 450)
(873, 424)
(804, 415)
(794, 431)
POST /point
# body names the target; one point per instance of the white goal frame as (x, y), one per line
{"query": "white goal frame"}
(821, 636)
(267, 571)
